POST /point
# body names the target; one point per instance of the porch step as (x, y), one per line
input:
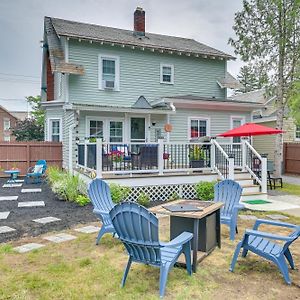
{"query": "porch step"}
(244, 182)
(254, 196)
(251, 189)
(241, 175)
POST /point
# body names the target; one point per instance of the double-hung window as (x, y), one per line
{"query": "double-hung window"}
(167, 74)
(55, 130)
(198, 127)
(297, 132)
(6, 124)
(96, 129)
(109, 72)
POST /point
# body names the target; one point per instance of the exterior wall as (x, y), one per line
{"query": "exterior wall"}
(52, 113)
(266, 143)
(7, 133)
(140, 75)
(69, 128)
(50, 80)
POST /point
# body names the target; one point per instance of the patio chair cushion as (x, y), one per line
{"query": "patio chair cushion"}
(38, 169)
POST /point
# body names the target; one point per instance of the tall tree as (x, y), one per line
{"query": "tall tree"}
(38, 113)
(252, 77)
(268, 32)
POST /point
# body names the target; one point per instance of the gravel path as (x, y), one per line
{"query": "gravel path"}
(21, 218)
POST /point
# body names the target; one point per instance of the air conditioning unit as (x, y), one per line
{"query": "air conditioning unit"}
(109, 84)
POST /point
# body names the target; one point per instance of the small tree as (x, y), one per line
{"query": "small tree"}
(38, 113)
(28, 130)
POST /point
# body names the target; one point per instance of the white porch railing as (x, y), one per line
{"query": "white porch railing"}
(164, 157)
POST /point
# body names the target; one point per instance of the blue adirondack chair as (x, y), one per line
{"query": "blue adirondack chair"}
(137, 228)
(99, 194)
(229, 193)
(37, 172)
(264, 244)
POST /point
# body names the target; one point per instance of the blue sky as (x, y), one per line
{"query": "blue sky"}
(21, 23)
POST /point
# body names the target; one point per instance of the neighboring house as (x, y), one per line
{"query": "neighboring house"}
(125, 86)
(7, 121)
(17, 107)
(267, 116)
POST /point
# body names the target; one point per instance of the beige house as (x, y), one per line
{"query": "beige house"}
(267, 116)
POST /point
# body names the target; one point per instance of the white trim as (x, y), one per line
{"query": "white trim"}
(207, 119)
(49, 131)
(161, 73)
(106, 128)
(236, 117)
(9, 124)
(102, 56)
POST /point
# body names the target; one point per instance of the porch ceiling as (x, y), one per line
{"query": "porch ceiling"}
(86, 107)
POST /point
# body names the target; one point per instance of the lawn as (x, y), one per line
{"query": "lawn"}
(81, 270)
(292, 189)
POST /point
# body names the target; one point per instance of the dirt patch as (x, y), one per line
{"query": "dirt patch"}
(21, 218)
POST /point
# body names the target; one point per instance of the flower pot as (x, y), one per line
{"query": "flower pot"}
(197, 163)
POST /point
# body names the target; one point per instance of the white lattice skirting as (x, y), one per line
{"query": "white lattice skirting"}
(163, 192)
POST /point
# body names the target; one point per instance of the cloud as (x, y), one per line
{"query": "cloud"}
(21, 24)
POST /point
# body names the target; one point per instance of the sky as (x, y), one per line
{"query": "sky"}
(21, 30)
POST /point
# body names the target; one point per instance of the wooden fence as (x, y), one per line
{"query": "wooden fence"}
(291, 153)
(22, 155)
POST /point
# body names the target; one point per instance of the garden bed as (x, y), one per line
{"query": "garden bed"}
(70, 213)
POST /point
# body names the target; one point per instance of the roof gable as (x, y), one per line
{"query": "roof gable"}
(142, 102)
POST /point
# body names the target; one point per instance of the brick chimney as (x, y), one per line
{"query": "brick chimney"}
(139, 21)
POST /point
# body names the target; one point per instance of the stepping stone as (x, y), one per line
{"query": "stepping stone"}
(60, 237)
(31, 203)
(4, 215)
(31, 190)
(277, 217)
(87, 229)
(46, 220)
(8, 198)
(11, 185)
(28, 247)
(5, 229)
(247, 217)
(19, 180)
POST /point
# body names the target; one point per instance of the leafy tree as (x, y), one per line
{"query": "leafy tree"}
(294, 102)
(28, 130)
(38, 113)
(267, 32)
(252, 77)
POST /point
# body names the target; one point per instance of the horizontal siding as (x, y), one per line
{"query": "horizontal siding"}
(140, 75)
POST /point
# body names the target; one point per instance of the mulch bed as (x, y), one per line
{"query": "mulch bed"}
(21, 218)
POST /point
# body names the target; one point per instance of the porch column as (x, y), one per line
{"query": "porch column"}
(244, 154)
(160, 154)
(264, 171)
(99, 146)
(231, 167)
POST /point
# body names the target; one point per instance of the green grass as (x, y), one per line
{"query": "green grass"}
(292, 189)
(80, 270)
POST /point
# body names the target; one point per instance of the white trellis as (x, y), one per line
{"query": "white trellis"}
(163, 192)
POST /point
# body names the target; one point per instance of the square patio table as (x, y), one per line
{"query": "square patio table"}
(13, 175)
(204, 224)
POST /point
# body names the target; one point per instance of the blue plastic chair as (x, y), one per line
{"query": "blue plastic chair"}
(264, 244)
(36, 176)
(229, 193)
(137, 228)
(99, 194)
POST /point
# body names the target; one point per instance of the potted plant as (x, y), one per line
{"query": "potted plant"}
(197, 157)
(117, 158)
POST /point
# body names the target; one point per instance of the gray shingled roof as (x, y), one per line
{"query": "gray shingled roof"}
(127, 37)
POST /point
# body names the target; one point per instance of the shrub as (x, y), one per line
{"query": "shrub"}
(143, 199)
(205, 190)
(174, 196)
(65, 185)
(82, 200)
(119, 192)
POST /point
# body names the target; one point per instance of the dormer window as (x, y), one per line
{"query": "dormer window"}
(109, 72)
(167, 74)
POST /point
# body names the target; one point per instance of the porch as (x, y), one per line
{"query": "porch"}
(179, 166)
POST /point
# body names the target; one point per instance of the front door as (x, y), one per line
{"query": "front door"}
(137, 130)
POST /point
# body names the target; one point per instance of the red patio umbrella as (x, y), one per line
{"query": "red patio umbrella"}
(250, 129)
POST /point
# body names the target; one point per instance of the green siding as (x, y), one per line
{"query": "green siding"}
(140, 75)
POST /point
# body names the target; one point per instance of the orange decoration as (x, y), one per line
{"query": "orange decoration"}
(168, 127)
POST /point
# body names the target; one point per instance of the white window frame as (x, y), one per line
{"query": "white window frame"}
(297, 139)
(117, 71)
(198, 118)
(7, 138)
(243, 121)
(172, 73)
(50, 120)
(5, 127)
(106, 129)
